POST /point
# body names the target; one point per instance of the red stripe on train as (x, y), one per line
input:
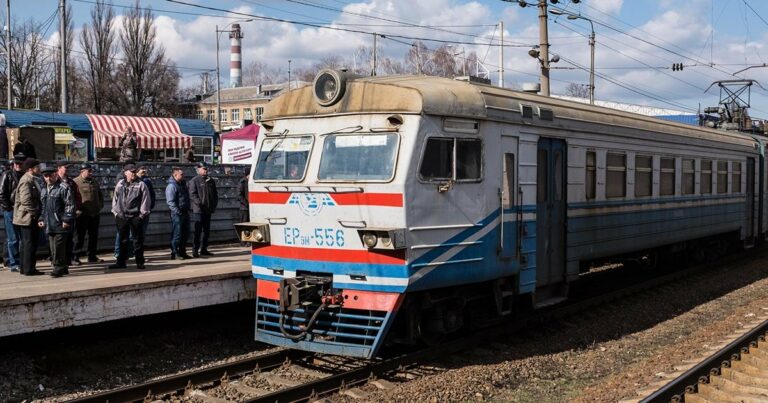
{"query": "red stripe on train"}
(342, 199)
(331, 255)
(353, 299)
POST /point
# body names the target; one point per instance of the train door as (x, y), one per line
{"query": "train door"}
(511, 206)
(749, 236)
(550, 212)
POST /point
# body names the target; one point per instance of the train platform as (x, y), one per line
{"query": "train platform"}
(93, 294)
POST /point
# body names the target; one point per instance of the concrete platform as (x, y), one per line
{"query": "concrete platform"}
(92, 294)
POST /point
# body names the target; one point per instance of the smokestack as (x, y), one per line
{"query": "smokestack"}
(235, 60)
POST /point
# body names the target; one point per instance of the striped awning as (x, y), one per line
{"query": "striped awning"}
(153, 133)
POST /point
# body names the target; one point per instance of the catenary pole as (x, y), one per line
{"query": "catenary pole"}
(63, 43)
(8, 52)
(544, 48)
(218, 83)
(501, 54)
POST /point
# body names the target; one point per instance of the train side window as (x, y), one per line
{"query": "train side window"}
(542, 173)
(437, 162)
(736, 177)
(508, 198)
(468, 159)
(706, 177)
(667, 179)
(722, 176)
(616, 175)
(643, 175)
(591, 175)
(689, 183)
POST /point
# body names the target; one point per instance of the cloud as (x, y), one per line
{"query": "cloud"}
(607, 6)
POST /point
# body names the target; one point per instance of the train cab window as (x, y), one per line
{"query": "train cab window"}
(508, 197)
(667, 177)
(689, 185)
(616, 175)
(283, 158)
(722, 176)
(643, 175)
(358, 157)
(440, 162)
(591, 175)
(706, 177)
(736, 177)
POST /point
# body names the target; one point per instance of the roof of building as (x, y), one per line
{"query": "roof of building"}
(196, 127)
(250, 93)
(75, 121)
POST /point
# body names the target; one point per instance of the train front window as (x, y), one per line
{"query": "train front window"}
(283, 158)
(358, 157)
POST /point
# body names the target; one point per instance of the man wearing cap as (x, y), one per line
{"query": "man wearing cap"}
(9, 181)
(88, 217)
(203, 199)
(177, 197)
(26, 212)
(61, 172)
(57, 218)
(130, 205)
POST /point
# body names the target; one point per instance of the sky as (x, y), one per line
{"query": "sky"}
(637, 41)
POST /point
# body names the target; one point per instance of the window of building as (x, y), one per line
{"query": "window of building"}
(199, 114)
(210, 115)
(643, 175)
(438, 161)
(689, 174)
(259, 112)
(722, 176)
(223, 115)
(591, 179)
(616, 175)
(203, 145)
(235, 115)
(706, 177)
(667, 178)
(736, 177)
(247, 114)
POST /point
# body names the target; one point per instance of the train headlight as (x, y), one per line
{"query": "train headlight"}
(370, 239)
(252, 232)
(258, 236)
(329, 86)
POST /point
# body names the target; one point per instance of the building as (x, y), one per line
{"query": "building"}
(239, 105)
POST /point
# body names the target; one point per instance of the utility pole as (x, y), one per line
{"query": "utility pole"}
(544, 48)
(592, 66)
(218, 83)
(289, 74)
(8, 51)
(501, 54)
(373, 70)
(63, 43)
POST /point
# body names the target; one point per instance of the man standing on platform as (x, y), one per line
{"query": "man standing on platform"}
(203, 198)
(130, 205)
(144, 177)
(26, 212)
(8, 183)
(58, 216)
(242, 197)
(88, 218)
(177, 197)
(61, 171)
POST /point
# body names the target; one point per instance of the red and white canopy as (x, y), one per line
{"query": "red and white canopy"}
(153, 133)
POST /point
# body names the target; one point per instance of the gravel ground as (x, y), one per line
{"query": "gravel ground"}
(61, 365)
(605, 355)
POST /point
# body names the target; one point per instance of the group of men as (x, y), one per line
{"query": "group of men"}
(66, 209)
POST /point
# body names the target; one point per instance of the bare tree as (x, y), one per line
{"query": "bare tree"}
(577, 90)
(98, 43)
(31, 72)
(148, 81)
(417, 58)
(256, 73)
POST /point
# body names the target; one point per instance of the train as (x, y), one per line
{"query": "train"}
(409, 209)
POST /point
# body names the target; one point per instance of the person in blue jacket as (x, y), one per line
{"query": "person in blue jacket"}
(177, 197)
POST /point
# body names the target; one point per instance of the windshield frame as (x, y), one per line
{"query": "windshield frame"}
(391, 177)
(281, 139)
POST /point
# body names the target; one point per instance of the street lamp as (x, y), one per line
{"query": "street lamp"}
(572, 16)
(218, 71)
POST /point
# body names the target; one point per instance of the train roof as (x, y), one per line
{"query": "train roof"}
(418, 94)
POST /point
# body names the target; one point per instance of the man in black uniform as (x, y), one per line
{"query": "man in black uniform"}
(203, 198)
(8, 183)
(130, 205)
(57, 218)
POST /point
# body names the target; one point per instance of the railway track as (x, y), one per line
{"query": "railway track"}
(288, 376)
(737, 372)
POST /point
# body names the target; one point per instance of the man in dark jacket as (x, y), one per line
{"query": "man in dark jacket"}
(143, 173)
(129, 146)
(88, 216)
(242, 197)
(203, 199)
(57, 218)
(130, 205)
(61, 171)
(177, 197)
(26, 213)
(8, 183)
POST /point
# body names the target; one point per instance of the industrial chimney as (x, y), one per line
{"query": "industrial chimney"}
(236, 60)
